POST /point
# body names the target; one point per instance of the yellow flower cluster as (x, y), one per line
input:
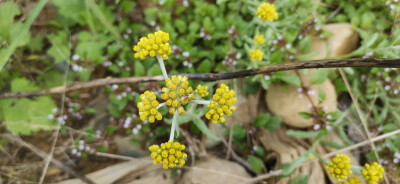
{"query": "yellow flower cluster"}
(256, 55)
(152, 45)
(177, 93)
(221, 104)
(373, 173)
(202, 90)
(148, 107)
(339, 167)
(353, 180)
(259, 39)
(267, 12)
(170, 154)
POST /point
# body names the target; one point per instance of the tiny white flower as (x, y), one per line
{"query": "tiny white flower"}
(125, 36)
(328, 116)
(152, 23)
(114, 86)
(309, 106)
(316, 127)
(129, 31)
(267, 77)
(75, 57)
(81, 147)
(238, 55)
(134, 131)
(79, 154)
(73, 151)
(396, 160)
(81, 142)
(288, 46)
(396, 91)
(50, 116)
(299, 90)
(328, 127)
(387, 79)
(311, 92)
(387, 87)
(139, 126)
(186, 54)
(54, 110)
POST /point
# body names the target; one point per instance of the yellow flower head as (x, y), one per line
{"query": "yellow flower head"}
(169, 154)
(339, 167)
(221, 104)
(373, 173)
(177, 93)
(256, 55)
(202, 90)
(259, 39)
(152, 45)
(353, 180)
(148, 107)
(267, 12)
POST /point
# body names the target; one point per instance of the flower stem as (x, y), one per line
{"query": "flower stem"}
(173, 125)
(202, 102)
(160, 105)
(162, 66)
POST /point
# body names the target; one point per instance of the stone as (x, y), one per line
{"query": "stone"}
(288, 103)
(212, 170)
(343, 41)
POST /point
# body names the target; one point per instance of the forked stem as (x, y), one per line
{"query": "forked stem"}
(201, 102)
(174, 125)
(162, 66)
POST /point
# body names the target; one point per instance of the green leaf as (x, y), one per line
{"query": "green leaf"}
(299, 180)
(290, 79)
(25, 116)
(389, 128)
(305, 115)
(203, 128)
(6, 54)
(36, 44)
(256, 163)
(302, 134)
(260, 151)
(22, 84)
(110, 130)
(262, 120)
(321, 95)
(127, 6)
(139, 69)
(204, 67)
(319, 76)
(305, 44)
(8, 11)
(103, 19)
(289, 168)
(59, 49)
(273, 123)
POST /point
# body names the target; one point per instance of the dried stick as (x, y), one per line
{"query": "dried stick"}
(42, 154)
(331, 63)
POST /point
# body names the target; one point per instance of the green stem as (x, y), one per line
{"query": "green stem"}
(173, 125)
(201, 102)
(162, 66)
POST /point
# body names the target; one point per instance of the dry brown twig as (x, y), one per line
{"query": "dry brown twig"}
(332, 63)
(42, 154)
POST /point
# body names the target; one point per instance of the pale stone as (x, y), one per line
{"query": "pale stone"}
(287, 104)
(211, 170)
(343, 41)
